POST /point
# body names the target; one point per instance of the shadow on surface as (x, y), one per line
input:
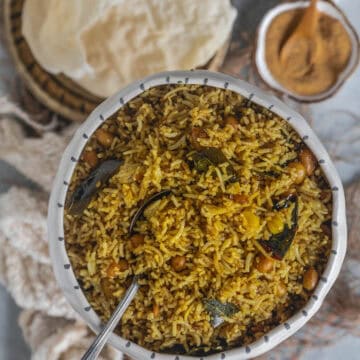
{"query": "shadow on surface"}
(12, 344)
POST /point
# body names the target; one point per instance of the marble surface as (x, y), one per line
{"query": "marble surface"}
(336, 121)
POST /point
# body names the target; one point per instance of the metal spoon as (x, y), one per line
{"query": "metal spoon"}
(94, 350)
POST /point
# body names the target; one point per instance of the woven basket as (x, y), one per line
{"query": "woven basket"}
(57, 92)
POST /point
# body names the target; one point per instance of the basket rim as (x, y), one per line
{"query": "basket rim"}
(58, 105)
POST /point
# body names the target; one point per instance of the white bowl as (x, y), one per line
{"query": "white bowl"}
(260, 60)
(62, 268)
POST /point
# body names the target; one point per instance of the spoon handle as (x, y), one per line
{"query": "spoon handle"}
(94, 350)
(310, 18)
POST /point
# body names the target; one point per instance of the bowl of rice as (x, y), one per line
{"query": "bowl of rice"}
(242, 230)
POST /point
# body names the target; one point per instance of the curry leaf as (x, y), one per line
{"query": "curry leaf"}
(218, 309)
(84, 192)
(279, 244)
(203, 159)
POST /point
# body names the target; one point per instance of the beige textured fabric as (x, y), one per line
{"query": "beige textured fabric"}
(49, 324)
(24, 261)
(44, 153)
(53, 338)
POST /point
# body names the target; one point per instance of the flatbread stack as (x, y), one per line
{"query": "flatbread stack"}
(103, 45)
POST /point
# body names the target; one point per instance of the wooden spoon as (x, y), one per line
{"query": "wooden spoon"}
(302, 40)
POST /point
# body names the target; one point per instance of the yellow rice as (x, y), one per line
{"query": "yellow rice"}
(200, 221)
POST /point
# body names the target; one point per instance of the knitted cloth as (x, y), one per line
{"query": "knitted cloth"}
(50, 326)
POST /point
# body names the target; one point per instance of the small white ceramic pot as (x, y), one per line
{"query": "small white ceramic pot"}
(259, 60)
(62, 267)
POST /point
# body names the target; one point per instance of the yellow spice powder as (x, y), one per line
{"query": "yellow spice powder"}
(302, 73)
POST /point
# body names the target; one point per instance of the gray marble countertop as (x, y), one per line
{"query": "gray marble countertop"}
(336, 121)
